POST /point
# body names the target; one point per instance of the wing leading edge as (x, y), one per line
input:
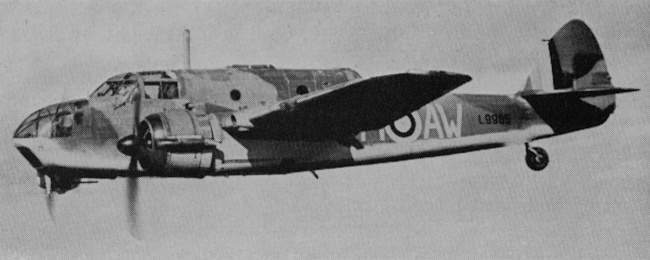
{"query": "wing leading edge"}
(344, 110)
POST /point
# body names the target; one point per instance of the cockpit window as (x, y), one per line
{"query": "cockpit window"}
(152, 91)
(157, 85)
(114, 88)
(161, 90)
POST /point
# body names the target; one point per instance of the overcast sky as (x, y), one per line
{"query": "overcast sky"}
(592, 201)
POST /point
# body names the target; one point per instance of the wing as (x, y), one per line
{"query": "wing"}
(346, 109)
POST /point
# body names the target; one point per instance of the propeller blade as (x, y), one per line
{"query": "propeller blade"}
(49, 196)
(132, 182)
(133, 164)
(49, 199)
(132, 204)
(137, 106)
(137, 103)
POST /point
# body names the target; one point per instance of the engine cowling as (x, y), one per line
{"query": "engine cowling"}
(179, 143)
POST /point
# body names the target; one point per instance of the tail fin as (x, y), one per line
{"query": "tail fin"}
(576, 59)
(582, 94)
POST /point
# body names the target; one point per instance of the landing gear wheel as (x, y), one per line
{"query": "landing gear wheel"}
(536, 158)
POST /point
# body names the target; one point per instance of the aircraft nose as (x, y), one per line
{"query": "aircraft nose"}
(28, 129)
(53, 121)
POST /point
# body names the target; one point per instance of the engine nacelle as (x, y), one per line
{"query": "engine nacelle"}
(179, 143)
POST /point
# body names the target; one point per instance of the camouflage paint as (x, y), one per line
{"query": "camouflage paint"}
(437, 131)
(453, 123)
(438, 120)
(258, 86)
(453, 116)
(91, 149)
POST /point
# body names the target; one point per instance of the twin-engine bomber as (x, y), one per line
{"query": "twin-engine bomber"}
(261, 120)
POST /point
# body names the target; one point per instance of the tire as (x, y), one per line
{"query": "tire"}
(537, 159)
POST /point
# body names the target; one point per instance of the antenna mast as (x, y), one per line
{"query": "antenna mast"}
(187, 49)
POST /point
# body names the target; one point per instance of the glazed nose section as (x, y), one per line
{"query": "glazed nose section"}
(27, 129)
(54, 121)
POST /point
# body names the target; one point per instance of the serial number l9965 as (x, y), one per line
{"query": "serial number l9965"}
(494, 119)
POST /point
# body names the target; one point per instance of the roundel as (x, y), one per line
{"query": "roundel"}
(405, 129)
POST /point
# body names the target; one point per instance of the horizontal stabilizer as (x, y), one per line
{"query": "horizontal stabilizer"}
(569, 93)
(568, 110)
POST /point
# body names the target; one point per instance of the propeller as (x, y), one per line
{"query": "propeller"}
(45, 179)
(137, 103)
(132, 182)
(132, 199)
(49, 200)
(45, 182)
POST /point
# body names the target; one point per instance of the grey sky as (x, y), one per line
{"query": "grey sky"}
(592, 201)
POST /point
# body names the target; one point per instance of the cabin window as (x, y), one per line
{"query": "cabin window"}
(169, 90)
(235, 95)
(302, 89)
(152, 91)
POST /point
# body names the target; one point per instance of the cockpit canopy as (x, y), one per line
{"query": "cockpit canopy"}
(157, 85)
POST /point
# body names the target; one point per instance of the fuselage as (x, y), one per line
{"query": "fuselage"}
(81, 135)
